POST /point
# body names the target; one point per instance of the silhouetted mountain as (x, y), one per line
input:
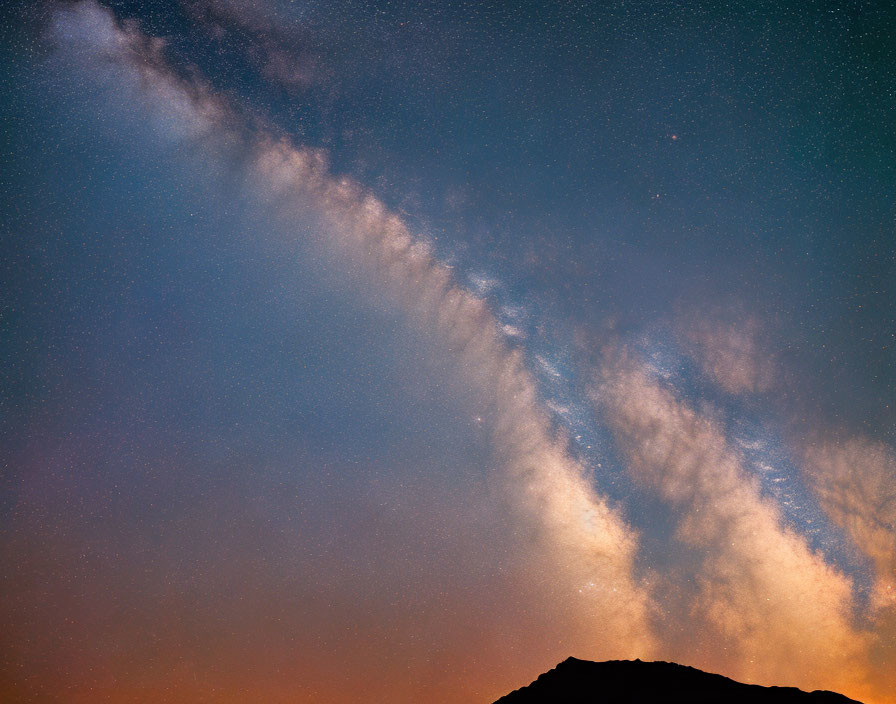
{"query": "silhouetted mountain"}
(634, 682)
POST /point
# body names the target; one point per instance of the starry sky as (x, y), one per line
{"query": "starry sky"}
(396, 351)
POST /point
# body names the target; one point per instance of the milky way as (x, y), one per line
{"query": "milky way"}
(323, 385)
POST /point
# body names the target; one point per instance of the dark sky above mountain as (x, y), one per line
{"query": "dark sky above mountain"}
(407, 348)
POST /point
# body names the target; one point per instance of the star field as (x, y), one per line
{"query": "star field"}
(397, 351)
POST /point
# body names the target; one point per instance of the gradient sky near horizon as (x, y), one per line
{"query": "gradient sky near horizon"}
(397, 351)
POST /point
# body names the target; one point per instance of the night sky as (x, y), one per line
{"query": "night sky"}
(395, 351)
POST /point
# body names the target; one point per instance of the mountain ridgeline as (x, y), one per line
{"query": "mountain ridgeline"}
(576, 681)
